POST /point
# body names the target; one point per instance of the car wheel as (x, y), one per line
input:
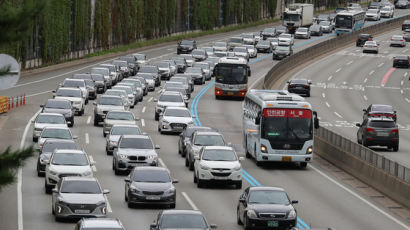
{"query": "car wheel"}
(195, 178)
(238, 185)
(245, 223)
(156, 116)
(191, 166)
(238, 219)
(303, 165)
(173, 205)
(364, 142)
(48, 188)
(396, 147)
(114, 167)
(186, 161)
(104, 134)
(125, 197)
(95, 122)
(35, 139)
(200, 183)
(130, 205)
(259, 163)
(82, 111)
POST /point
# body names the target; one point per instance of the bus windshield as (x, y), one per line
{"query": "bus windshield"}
(343, 21)
(231, 74)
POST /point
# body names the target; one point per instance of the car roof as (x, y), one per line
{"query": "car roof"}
(69, 88)
(140, 136)
(125, 125)
(120, 111)
(195, 212)
(264, 188)
(171, 93)
(208, 133)
(150, 168)
(101, 223)
(176, 108)
(75, 151)
(219, 148)
(110, 96)
(59, 140)
(51, 114)
(78, 178)
(60, 127)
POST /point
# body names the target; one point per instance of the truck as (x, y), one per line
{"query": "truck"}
(297, 15)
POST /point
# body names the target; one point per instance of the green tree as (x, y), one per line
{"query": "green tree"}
(10, 161)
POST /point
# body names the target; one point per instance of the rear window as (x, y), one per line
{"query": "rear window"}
(382, 124)
(383, 108)
(170, 98)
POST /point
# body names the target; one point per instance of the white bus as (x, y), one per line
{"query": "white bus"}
(278, 126)
(348, 21)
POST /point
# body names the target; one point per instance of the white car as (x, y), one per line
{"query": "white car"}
(74, 95)
(168, 98)
(218, 163)
(302, 32)
(397, 40)
(273, 41)
(209, 50)
(66, 162)
(54, 133)
(387, 12)
(220, 46)
(141, 58)
(252, 51)
(370, 47)
(286, 39)
(372, 14)
(241, 51)
(47, 120)
(77, 83)
(105, 72)
(130, 93)
(174, 119)
(117, 118)
(149, 79)
(248, 38)
(121, 93)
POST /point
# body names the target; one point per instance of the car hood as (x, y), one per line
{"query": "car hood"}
(163, 69)
(185, 120)
(262, 46)
(42, 125)
(63, 169)
(73, 99)
(186, 47)
(137, 152)
(372, 14)
(171, 104)
(114, 138)
(221, 164)
(152, 186)
(301, 33)
(115, 122)
(216, 48)
(81, 198)
(241, 54)
(281, 52)
(274, 208)
(60, 111)
(110, 107)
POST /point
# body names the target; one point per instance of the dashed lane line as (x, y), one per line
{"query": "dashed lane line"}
(371, 72)
(365, 80)
(338, 115)
(381, 64)
(330, 78)
(323, 95)
(87, 139)
(143, 109)
(365, 97)
(190, 202)
(338, 70)
(327, 104)
(88, 119)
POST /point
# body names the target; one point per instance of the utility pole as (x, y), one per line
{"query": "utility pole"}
(189, 9)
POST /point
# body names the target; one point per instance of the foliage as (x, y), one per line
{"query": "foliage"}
(10, 161)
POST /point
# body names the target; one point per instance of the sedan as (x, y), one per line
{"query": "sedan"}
(117, 118)
(248, 38)
(371, 47)
(150, 185)
(181, 219)
(198, 75)
(373, 14)
(77, 197)
(181, 64)
(104, 104)
(281, 52)
(266, 207)
(299, 86)
(63, 107)
(99, 223)
(281, 30)
(168, 99)
(241, 51)
(264, 46)
(174, 119)
(406, 35)
(316, 30)
(387, 12)
(286, 39)
(326, 26)
(199, 54)
(186, 46)
(401, 61)
(397, 40)
(253, 53)
(206, 68)
(190, 60)
(121, 93)
(220, 46)
(302, 32)
(185, 137)
(47, 120)
(74, 95)
(54, 133)
(402, 4)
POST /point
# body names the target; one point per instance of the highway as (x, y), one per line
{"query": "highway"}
(324, 199)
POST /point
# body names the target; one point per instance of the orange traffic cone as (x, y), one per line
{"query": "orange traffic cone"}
(21, 100)
(12, 102)
(17, 101)
(24, 99)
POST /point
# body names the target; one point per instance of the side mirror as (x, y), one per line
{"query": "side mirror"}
(155, 100)
(157, 147)
(358, 125)
(315, 120)
(213, 226)
(106, 191)
(127, 180)
(242, 200)
(32, 121)
(53, 91)
(196, 158)
(294, 201)
(364, 110)
(174, 181)
(75, 137)
(153, 226)
(54, 190)
(41, 106)
(241, 158)
(94, 103)
(137, 119)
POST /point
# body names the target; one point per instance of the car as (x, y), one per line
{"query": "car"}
(206, 68)
(372, 15)
(370, 47)
(266, 207)
(220, 54)
(209, 50)
(185, 136)
(285, 39)
(178, 86)
(167, 98)
(316, 30)
(302, 32)
(387, 12)
(173, 66)
(257, 36)
(47, 120)
(174, 120)
(210, 161)
(401, 61)
(119, 92)
(197, 74)
(198, 140)
(339, 9)
(48, 148)
(188, 78)
(186, 46)
(273, 41)
(220, 46)
(321, 17)
(74, 95)
(190, 60)
(132, 100)
(77, 197)
(115, 133)
(133, 88)
(374, 5)
(181, 219)
(140, 85)
(99, 82)
(248, 38)
(354, 7)
(268, 32)
(149, 79)
(397, 40)
(99, 223)
(117, 118)
(89, 84)
(405, 25)
(150, 185)
(63, 133)
(253, 53)
(60, 106)
(140, 58)
(384, 3)
(362, 38)
(181, 90)
(379, 131)
(104, 104)
(123, 67)
(181, 64)
(264, 46)
(281, 52)
(241, 51)
(76, 83)
(299, 86)
(281, 30)
(115, 72)
(151, 70)
(402, 4)
(132, 151)
(185, 83)
(379, 110)
(105, 72)
(214, 60)
(199, 55)
(164, 69)
(234, 42)
(406, 35)
(66, 162)
(327, 26)
(132, 63)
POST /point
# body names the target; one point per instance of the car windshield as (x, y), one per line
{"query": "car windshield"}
(183, 221)
(146, 76)
(385, 9)
(123, 86)
(180, 61)
(136, 143)
(122, 130)
(97, 77)
(162, 64)
(171, 98)
(382, 124)
(324, 23)
(110, 101)
(315, 28)
(373, 11)
(134, 82)
(249, 47)
(240, 50)
(58, 104)
(50, 146)
(151, 176)
(56, 133)
(89, 83)
(268, 197)
(87, 187)
(140, 56)
(299, 81)
(235, 40)
(175, 89)
(220, 44)
(202, 65)
(120, 116)
(120, 63)
(194, 70)
(74, 159)
(50, 119)
(209, 140)
(68, 92)
(187, 42)
(110, 67)
(177, 113)
(170, 84)
(148, 69)
(113, 92)
(302, 30)
(231, 74)
(219, 155)
(282, 48)
(190, 130)
(102, 71)
(383, 108)
(198, 52)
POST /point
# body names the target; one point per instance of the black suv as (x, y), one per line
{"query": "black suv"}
(362, 38)
(299, 86)
(405, 25)
(378, 131)
(186, 46)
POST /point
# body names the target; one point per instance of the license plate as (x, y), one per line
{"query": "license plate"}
(82, 211)
(287, 158)
(153, 198)
(273, 223)
(230, 93)
(382, 134)
(219, 178)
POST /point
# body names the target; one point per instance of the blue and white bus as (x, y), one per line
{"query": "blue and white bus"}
(348, 21)
(278, 126)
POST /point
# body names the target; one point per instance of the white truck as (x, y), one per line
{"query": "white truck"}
(297, 15)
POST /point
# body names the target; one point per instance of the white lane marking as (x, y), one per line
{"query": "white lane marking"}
(360, 198)
(36, 94)
(350, 62)
(402, 82)
(323, 95)
(381, 64)
(405, 74)
(371, 72)
(329, 78)
(20, 176)
(143, 109)
(88, 119)
(404, 51)
(365, 80)
(109, 209)
(407, 100)
(87, 139)
(327, 104)
(338, 115)
(401, 91)
(338, 70)
(93, 167)
(161, 162)
(150, 99)
(190, 202)
(142, 122)
(365, 98)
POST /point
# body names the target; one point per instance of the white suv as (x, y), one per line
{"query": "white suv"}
(168, 99)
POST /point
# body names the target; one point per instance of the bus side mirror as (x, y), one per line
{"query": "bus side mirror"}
(315, 120)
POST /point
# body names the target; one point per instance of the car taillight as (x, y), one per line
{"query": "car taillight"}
(306, 86)
(357, 39)
(292, 86)
(402, 40)
(395, 131)
(369, 130)
(368, 39)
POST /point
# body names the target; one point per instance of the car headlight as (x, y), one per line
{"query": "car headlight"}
(151, 157)
(114, 143)
(170, 191)
(52, 172)
(204, 167)
(292, 214)
(237, 168)
(123, 156)
(87, 173)
(135, 190)
(251, 214)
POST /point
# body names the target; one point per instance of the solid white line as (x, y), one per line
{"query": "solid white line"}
(150, 99)
(142, 122)
(405, 74)
(338, 115)
(88, 119)
(338, 70)
(143, 109)
(327, 104)
(323, 95)
(329, 78)
(36, 94)
(87, 139)
(360, 198)
(371, 72)
(161, 162)
(365, 80)
(109, 209)
(381, 64)
(401, 91)
(190, 202)
(402, 82)
(365, 98)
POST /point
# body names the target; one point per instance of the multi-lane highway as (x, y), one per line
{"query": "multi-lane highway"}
(324, 200)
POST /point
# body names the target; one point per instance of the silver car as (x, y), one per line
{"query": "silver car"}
(63, 107)
(130, 93)
(184, 81)
(197, 74)
(220, 46)
(122, 93)
(327, 27)
(173, 99)
(286, 39)
(206, 68)
(141, 58)
(138, 85)
(54, 133)
(199, 54)
(115, 73)
(105, 72)
(77, 83)
(164, 69)
(77, 197)
(406, 35)
(190, 60)
(397, 40)
(370, 47)
(189, 79)
(47, 120)
(123, 67)
(248, 38)
(116, 132)
(174, 119)
(264, 46)
(253, 53)
(273, 41)
(132, 151)
(105, 104)
(302, 32)
(209, 50)
(74, 95)
(241, 51)
(149, 79)
(117, 117)
(234, 42)
(372, 14)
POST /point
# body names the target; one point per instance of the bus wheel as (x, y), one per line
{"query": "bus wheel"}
(217, 97)
(247, 154)
(303, 165)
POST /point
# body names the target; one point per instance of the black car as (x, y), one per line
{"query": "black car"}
(405, 25)
(281, 52)
(281, 30)
(152, 70)
(181, 64)
(181, 219)
(377, 110)
(150, 185)
(316, 30)
(186, 46)
(299, 86)
(99, 82)
(99, 223)
(401, 61)
(60, 106)
(266, 208)
(49, 146)
(378, 131)
(185, 137)
(362, 38)
(402, 4)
